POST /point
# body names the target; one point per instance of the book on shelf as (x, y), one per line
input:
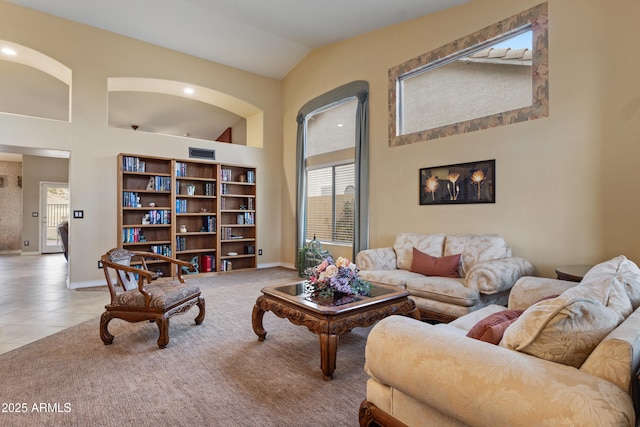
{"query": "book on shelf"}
(181, 244)
(160, 183)
(226, 174)
(161, 216)
(209, 223)
(226, 265)
(249, 218)
(131, 235)
(209, 189)
(181, 205)
(130, 199)
(133, 164)
(161, 250)
(207, 263)
(181, 169)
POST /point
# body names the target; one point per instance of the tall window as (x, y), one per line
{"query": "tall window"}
(330, 198)
(333, 168)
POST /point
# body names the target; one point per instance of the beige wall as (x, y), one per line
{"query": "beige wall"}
(37, 169)
(566, 185)
(94, 56)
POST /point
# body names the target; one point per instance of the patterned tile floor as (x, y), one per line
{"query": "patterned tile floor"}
(36, 302)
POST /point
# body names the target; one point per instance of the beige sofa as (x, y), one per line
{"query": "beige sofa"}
(568, 360)
(486, 271)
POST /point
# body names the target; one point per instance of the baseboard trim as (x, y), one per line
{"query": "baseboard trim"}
(88, 284)
(11, 252)
(29, 253)
(276, 264)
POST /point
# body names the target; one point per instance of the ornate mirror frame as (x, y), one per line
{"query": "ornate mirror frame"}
(534, 19)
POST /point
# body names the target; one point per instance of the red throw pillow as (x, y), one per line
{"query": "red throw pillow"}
(491, 328)
(446, 266)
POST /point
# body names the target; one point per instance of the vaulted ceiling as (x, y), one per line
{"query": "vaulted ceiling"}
(264, 37)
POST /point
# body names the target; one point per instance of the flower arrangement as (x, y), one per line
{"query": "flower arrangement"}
(331, 279)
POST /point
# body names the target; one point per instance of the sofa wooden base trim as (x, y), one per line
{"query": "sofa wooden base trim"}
(435, 317)
(371, 416)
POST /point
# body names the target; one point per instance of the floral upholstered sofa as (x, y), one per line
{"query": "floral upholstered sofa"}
(447, 276)
(561, 354)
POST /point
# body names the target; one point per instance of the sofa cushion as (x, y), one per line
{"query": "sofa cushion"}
(475, 248)
(435, 266)
(443, 289)
(627, 273)
(389, 277)
(491, 328)
(607, 290)
(563, 329)
(431, 244)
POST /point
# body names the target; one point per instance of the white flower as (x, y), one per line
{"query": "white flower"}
(330, 271)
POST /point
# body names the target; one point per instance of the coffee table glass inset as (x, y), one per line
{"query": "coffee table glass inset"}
(293, 302)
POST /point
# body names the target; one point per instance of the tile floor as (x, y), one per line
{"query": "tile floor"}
(35, 301)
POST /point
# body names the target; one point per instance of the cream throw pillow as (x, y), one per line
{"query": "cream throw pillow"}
(563, 329)
(625, 271)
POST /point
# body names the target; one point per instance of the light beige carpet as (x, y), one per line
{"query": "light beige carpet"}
(215, 374)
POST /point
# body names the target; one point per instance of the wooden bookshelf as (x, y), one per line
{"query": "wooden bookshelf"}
(176, 207)
(145, 206)
(237, 218)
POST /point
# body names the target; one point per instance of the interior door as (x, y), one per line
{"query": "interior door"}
(54, 202)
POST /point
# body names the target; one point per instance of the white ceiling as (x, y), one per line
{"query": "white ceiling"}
(267, 37)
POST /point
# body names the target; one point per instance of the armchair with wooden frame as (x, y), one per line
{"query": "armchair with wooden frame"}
(137, 294)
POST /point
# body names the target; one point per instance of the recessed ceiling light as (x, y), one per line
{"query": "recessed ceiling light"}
(340, 125)
(8, 51)
(188, 91)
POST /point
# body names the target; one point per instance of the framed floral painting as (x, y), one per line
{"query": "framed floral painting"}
(458, 184)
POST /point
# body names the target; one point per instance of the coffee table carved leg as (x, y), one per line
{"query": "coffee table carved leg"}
(328, 351)
(256, 322)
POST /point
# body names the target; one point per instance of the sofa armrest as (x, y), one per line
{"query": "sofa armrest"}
(497, 275)
(482, 384)
(377, 259)
(528, 290)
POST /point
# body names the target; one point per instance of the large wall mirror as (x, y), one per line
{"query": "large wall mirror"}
(493, 77)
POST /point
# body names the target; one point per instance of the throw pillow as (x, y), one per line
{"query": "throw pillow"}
(446, 266)
(491, 328)
(563, 329)
(626, 271)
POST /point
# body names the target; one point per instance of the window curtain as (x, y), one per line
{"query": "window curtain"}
(360, 90)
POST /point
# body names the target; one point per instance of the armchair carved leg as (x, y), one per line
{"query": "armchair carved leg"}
(107, 338)
(201, 313)
(163, 325)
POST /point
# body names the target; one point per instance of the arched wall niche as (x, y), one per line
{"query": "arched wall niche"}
(33, 84)
(163, 99)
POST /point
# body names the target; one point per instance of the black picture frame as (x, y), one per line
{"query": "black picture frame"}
(458, 184)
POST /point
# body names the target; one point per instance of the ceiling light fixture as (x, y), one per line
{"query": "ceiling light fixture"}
(9, 51)
(188, 91)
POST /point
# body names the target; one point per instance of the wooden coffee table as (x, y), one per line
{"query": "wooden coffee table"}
(329, 322)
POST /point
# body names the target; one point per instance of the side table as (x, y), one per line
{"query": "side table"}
(572, 273)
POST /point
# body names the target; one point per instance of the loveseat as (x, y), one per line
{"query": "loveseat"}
(447, 276)
(569, 358)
